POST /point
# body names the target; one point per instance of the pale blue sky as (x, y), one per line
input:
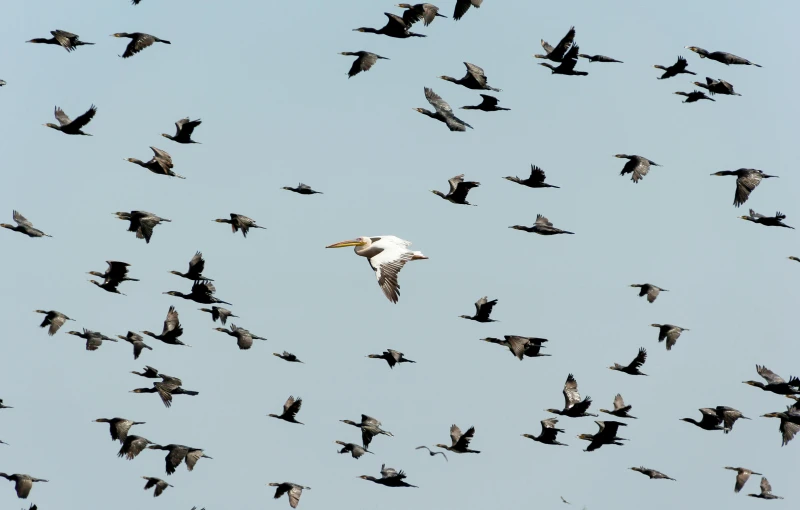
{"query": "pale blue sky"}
(277, 108)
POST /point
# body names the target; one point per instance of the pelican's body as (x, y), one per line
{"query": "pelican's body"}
(387, 255)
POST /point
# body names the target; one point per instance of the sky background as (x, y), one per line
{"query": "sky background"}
(278, 108)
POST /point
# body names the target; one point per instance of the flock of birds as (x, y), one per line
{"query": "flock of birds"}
(387, 255)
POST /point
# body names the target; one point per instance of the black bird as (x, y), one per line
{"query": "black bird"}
(288, 356)
(160, 163)
(109, 285)
(541, 226)
(68, 41)
(721, 87)
(775, 383)
(443, 113)
(2, 406)
(483, 309)
(535, 180)
(717, 418)
(24, 226)
(567, 65)
(527, 346)
(149, 373)
(364, 62)
(294, 491)
(171, 331)
(414, 13)
(634, 366)
(599, 58)
(458, 190)
(139, 41)
(119, 427)
(116, 271)
(548, 434)
(370, 427)
(669, 333)
(389, 478)
(790, 423)
(183, 130)
(462, 6)
(768, 221)
(638, 166)
(302, 189)
(244, 339)
(766, 488)
(177, 454)
(694, 96)
(195, 272)
(239, 221)
(460, 442)
(675, 69)
(722, 57)
(141, 222)
(489, 104)
(796, 259)
(558, 53)
(742, 475)
(652, 473)
(158, 483)
(620, 409)
(137, 342)
(290, 410)
(72, 127)
(168, 387)
(432, 453)
(475, 79)
(353, 449)
(649, 290)
(574, 407)
(202, 292)
(93, 339)
(395, 27)
(747, 179)
(53, 319)
(392, 357)
(218, 312)
(22, 483)
(606, 435)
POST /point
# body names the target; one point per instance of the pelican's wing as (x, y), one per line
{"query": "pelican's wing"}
(454, 182)
(387, 264)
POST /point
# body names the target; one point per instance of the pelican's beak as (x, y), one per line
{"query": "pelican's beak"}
(345, 244)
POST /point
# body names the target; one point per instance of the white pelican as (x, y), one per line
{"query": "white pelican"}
(387, 255)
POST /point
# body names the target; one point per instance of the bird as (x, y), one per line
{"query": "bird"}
(483, 309)
(742, 475)
(475, 79)
(239, 221)
(462, 6)
(541, 226)
(768, 221)
(775, 383)
(675, 69)
(460, 442)
(171, 331)
(3, 406)
(638, 166)
(287, 356)
(567, 65)
(392, 357)
(599, 58)
(177, 454)
(387, 255)
(747, 180)
(137, 342)
(195, 272)
(302, 189)
(620, 409)
(353, 449)
(634, 366)
(109, 285)
(717, 418)
(72, 127)
(395, 27)
(417, 12)
(141, 222)
(160, 163)
(548, 434)
(53, 319)
(202, 292)
(389, 478)
(607, 434)
(93, 339)
(149, 373)
(721, 56)
(168, 387)
(489, 104)
(535, 180)
(558, 53)
(66, 40)
(694, 96)
(790, 422)
(364, 62)
(649, 290)
(431, 452)
(443, 112)
(370, 427)
(294, 491)
(139, 41)
(766, 488)
(524, 345)
(183, 130)
(721, 87)
(116, 271)
(290, 410)
(158, 483)
(574, 407)
(796, 259)
(652, 473)
(119, 427)
(669, 332)
(22, 483)
(244, 339)
(217, 312)
(23, 226)
(458, 190)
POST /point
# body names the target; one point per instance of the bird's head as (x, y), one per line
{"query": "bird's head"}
(139, 390)
(288, 188)
(222, 220)
(340, 442)
(51, 125)
(359, 241)
(529, 436)
(554, 411)
(439, 193)
(101, 420)
(517, 227)
(119, 34)
(73, 333)
(364, 477)
(687, 420)
(720, 173)
(440, 446)
(171, 293)
(361, 29)
(622, 156)
(404, 6)
(744, 217)
(221, 329)
(165, 135)
(753, 383)
(771, 415)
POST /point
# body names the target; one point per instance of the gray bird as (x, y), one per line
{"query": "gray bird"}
(353, 449)
(293, 490)
(158, 483)
(766, 490)
(721, 57)
(541, 226)
(649, 290)
(669, 332)
(363, 63)
(53, 319)
(620, 409)
(637, 166)
(742, 475)
(119, 427)
(23, 483)
(24, 226)
(652, 473)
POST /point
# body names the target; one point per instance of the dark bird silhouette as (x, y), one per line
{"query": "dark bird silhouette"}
(137, 342)
(458, 190)
(218, 312)
(171, 331)
(395, 27)
(431, 452)
(116, 271)
(558, 53)
(649, 290)
(141, 222)
(389, 478)
(2, 406)
(567, 65)
(475, 79)
(638, 166)
(634, 366)
(195, 272)
(202, 292)
(353, 449)
(417, 12)
(462, 6)
(287, 356)
(721, 87)
(293, 490)
(742, 475)
(93, 339)
(768, 221)
(53, 319)
(620, 409)
(119, 427)
(669, 333)
(158, 483)
(177, 454)
(72, 127)
(717, 418)
(652, 473)
(370, 427)
(694, 96)
(520, 345)
(489, 104)
(22, 483)
(160, 163)
(183, 130)
(443, 113)
(290, 410)
(675, 69)
(244, 339)
(747, 179)
(24, 226)
(775, 383)
(599, 58)
(796, 259)
(607, 434)
(363, 63)
(790, 422)
(66, 40)
(535, 180)
(109, 285)
(574, 407)
(392, 357)
(139, 41)
(302, 189)
(239, 221)
(721, 57)
(149, 373)
(766, 488)
(460, 442)
(548, 434)
(168, 387)
(483, 309)
(541, 226)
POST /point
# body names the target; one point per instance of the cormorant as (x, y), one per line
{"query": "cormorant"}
(567, 65)
(607, 434)
(290, 410)
(652, 473)
(395, 27)
(53, 319)
(458, 190)
(742, 475)
(137, 342)
(717, 418)
(217, 312)
(489, 104)
(160, 163)
(116, 271)
(766, 488)
(353, 449)
(68, 41)
(287, 356)
(548, 434)
(483, 309)
(149, 372)
(557, 54)
(119, 427)
(535, 180)
(183, 130)
(294, 491)
(432, 453)
(389, 478)
(239, 221)
(93, 339)
(675, 69)
(24, 226)
(636, 165)
(529, 346)
(370, 427)
(414, 13)
(302, 189)
(670, 333)
(790, 422)
(168, 387)
(768, 221)
(171, 331)
(392, 357)
(649, 290)
(775, 383)
(177, 453)
(717, 87)
(599, 58)
(195, 272)
(462, 6)
(443, 113)
(364, 62)
(72, 127)
(460, 442)
(574, 407)
(22, 483)
(634, 366)
(541, 226)
(2, 406)
(141, 222)
(721, 56)
(244, 339)
(158, 483)
(202, 292)
(747, 179)
(133, 446)
(694, 96)
(139, 41)
(620, 409)
(475, 79)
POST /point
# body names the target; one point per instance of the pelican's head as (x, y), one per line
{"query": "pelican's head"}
(359, 241)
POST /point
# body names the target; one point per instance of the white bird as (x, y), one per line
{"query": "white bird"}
(387, 255)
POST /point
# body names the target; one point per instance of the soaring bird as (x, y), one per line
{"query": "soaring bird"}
(607, 434)
(158, 483)
(669, 333)
(567, 65)
(290, 410)
(742, 475)
(141, 222)
(432, 453)
(475, 79)
(24, 226)
(747, 179)
(217, 312)
(443, 113)
(638, 166)
(22, 483)
(694, 96)
(171, 331)
(483, 309)
(458, 190)
(574, 407)
(721, 56)
(177, 454)
(364, 62)
(195, 272)
(66, 40)
(387, 255)
(133, 446)
(53, 319)
(72, 127)
(520, 346)
(160, 163)
(620, 409)
(139, 41)
(244, 339)
(353, 449)
(535, 180)
(489, 104)
(287, 356)
(548, 434)
(675, 69)
(652, 473)
(370, 427)
(775, 383)
(599, 58)
(392, 357)
(149, 373)
(768, 221)
(93, 339)
(425, 12)
(541, 226)
(717, 418)
(459, 442)
(119, 427)
(137, 342)
(649, 290)
(634, 366)
(462, 6)
(168, 387)
(389, 478)
(721, 87)
(202, 292)
(294, 491)
(302, 189)
(766, 488)
(239, 221)
(395, 27)
(557, 54)
(183, 130)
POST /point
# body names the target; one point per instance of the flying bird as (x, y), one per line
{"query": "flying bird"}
(160, 163)
(72, 127)
(652, 473)
(287, 356)
(363, 63)
(742, 475)
(775, 383)
(766, 488)
(462, 6)
(53, 319)
(293, 490)
(392, 357)
(675, 69)
(669, 333)
(353, 449)
(23, 483)
(195, 272)
(717, 418)
(558, 53)
(649, 290)
(66, 40)
(239, 221)
(567, 65)
(141, 222)
(415, 13)
(541, 226)
(443, 113)
(574, 407)
(302, 189)
(202, 292)
(290, 410)
(634, 366)
(721, 57)
(519, 346)
(768, 221)
(218, 312)
(606, 435)
(177, 453)
(620, 409)
(395, 27)
(432, 453)
(370, 427)
(747, 180)
(599, 58)
(459, 442)
(483, 309)
(137, 342)
(475, 79)
(244, 339)
(548, 434)
(638, 166)
(458, 190)
(721, 87)
(93, 339)
(139, 41)
(171, 331)
(694, 96)
(158, 483)
(389, 478)
(535, 180)
(489, 104)
(24, 226)
(119, 427)
(183, 130)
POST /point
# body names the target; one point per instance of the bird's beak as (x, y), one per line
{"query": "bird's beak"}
(345, 244)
